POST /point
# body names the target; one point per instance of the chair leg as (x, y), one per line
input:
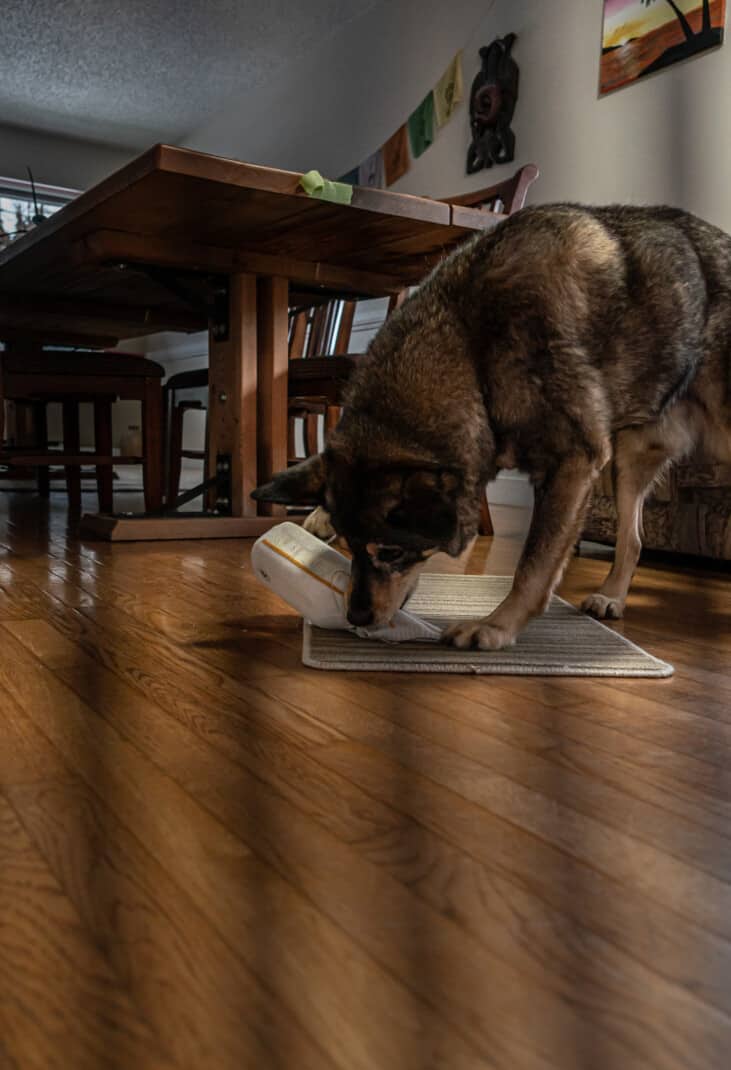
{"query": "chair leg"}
(291, 439)
(24, 428)
(40, 435)
(311, 429)
(103, 445)
(152, 445)
(485, 526)
(168, 408)
(175, 454)
(332, 416)
(204, 474)
(72, 444)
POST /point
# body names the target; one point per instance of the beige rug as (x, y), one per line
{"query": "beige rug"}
(563, 642)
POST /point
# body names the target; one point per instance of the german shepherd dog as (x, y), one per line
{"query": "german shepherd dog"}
(564, 338)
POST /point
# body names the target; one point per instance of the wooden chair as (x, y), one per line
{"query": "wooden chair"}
(313, 330)
(34, 377)
(322, 377)
(321, 329)
(319, 364)
(310, 410)
(504, 197)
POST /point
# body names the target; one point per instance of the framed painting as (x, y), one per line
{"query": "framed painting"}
(640, 37)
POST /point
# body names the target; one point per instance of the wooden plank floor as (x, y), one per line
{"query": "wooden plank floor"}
(213, 857)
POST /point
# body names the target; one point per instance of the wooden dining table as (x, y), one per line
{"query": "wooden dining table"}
(179, 240)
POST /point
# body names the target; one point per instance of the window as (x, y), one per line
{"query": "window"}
(18, 208)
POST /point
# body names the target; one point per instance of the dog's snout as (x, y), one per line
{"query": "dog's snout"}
(361, 618)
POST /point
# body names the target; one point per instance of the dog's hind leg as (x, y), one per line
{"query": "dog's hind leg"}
(638, 460)
(555, 527)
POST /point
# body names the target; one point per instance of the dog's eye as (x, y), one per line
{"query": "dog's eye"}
(388, 555)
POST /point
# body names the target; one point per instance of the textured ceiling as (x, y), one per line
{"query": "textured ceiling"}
(131, 72)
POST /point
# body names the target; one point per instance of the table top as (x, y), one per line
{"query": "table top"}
(138, 253)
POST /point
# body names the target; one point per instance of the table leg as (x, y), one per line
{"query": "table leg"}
(273, 363)
(232, 395)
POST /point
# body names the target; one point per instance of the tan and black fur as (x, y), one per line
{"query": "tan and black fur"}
(564, 338)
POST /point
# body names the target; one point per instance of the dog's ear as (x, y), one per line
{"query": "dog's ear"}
(303, 484)
(428, 505)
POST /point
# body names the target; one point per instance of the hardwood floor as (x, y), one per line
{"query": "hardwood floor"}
(213, 857)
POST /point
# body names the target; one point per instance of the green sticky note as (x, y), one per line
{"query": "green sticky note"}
(324, 189)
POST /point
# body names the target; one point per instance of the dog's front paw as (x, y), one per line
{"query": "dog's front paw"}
(478, 634)
(318, 523)
(603, 608)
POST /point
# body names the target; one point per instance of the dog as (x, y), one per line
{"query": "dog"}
(565, 338)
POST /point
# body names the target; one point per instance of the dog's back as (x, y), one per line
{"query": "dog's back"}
(590, 319)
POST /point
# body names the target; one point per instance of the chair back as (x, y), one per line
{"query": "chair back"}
(311, 413)
(321, 330)
(98, 364)
(504, 197)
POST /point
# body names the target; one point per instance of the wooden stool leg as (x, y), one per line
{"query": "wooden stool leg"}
(103, 445)
(485, 526)
(152, 444)
(72, 444)
(40, 429)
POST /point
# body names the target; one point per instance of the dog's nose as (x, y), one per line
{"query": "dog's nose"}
(361, 618)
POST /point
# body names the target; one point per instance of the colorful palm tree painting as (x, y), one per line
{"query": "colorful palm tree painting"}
(643, 36)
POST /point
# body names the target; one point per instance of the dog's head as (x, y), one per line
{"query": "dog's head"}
(394, 515)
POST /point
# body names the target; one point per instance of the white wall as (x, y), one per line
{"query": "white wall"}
(665, 139)
(59, 161)
(340, 102)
